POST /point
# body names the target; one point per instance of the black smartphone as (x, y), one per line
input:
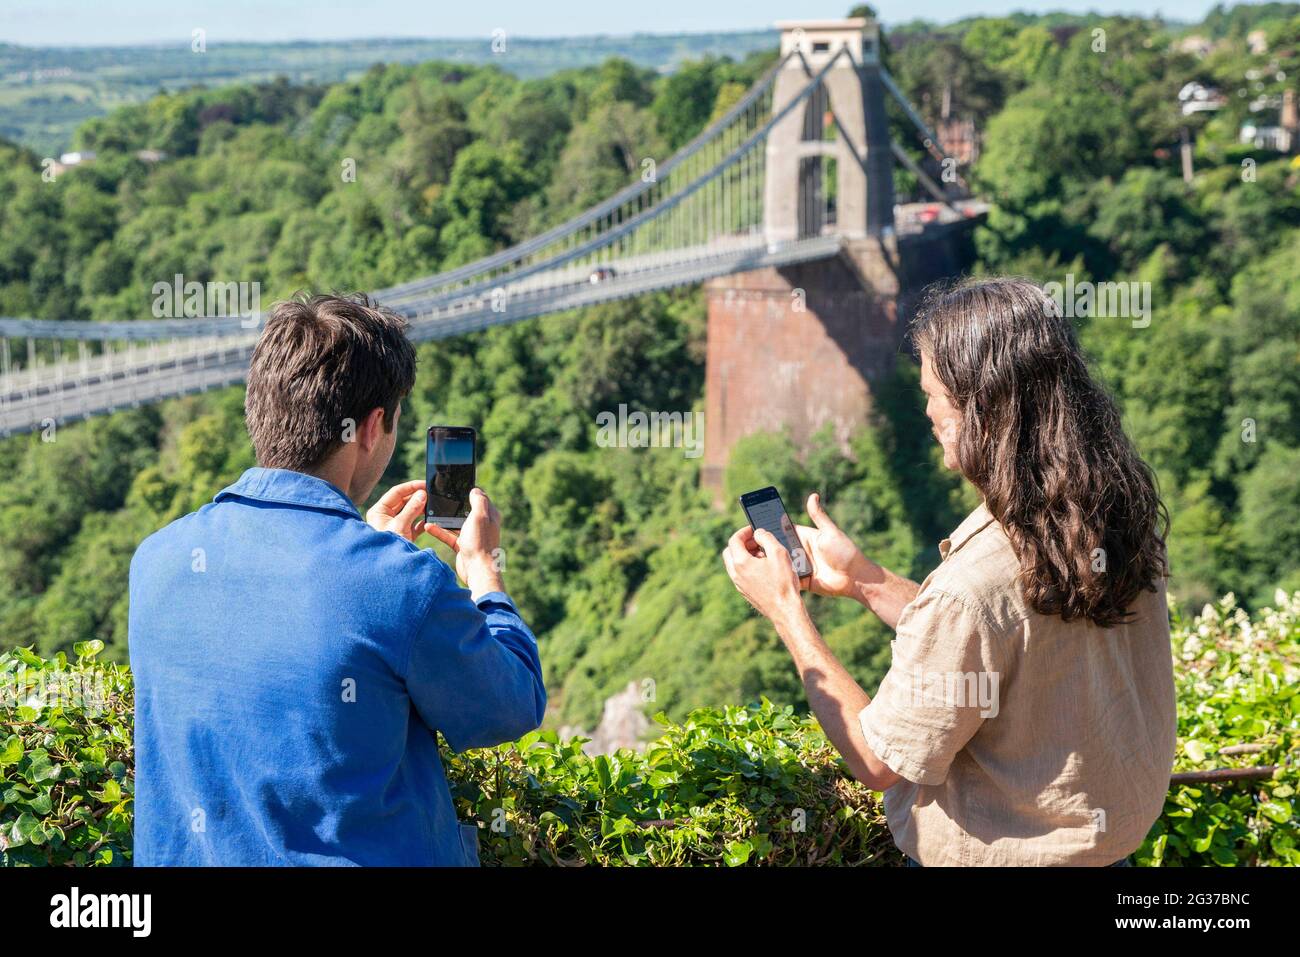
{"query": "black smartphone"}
(764, 509)
(449, 463)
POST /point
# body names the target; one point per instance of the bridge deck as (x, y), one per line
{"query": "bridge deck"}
(79, 388)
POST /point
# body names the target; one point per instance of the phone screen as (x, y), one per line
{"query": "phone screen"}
(449, 474)
(764, 509)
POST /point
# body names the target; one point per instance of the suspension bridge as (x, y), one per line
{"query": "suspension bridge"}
(795, 172)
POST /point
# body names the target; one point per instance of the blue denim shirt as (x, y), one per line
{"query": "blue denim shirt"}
(291, 667)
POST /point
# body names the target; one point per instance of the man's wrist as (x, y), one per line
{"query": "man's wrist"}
(886, 597)
(477, 589)
(865, 592)
(798, 633)
(871, 582)
(790, 616)
(482, 577)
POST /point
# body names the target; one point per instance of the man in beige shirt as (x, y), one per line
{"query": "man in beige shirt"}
(1028, 715)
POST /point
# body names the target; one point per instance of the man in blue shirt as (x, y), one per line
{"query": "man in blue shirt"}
(293, 660)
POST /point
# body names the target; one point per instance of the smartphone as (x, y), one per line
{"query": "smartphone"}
(764, 509)
(451, 453)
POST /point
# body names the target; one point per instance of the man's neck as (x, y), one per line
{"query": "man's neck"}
(337, 472)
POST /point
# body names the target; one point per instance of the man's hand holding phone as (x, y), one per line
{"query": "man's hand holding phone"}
(841, 570)
(838, 566)
(400, 510)
(820, 558)
(477, 545)
(759, 566)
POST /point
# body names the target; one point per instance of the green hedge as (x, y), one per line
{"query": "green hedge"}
(730, 786)
(66, 762)
(734, 786)
(1238, 683)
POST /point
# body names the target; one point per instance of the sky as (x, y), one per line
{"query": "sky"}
(111, 22)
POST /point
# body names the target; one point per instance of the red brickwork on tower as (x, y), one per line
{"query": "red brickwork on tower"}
(796, 346)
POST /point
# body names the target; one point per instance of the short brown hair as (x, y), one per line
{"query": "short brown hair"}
(320, 361)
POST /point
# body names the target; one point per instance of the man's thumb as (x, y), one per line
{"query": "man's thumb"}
(414, 506)
(770, 544)
(818, 514)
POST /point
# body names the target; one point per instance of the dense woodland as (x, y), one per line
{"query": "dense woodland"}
(47, 92)
(613, 553)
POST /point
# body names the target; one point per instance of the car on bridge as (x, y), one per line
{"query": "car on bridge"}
(601, 274)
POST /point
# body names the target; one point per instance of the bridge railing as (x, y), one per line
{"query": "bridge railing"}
(636, 191)
(708, 194)
(706, 205)
(698, 215)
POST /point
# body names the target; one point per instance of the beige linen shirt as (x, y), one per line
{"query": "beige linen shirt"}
(1021, 739)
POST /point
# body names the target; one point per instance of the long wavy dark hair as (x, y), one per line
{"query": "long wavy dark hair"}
(1042, 441)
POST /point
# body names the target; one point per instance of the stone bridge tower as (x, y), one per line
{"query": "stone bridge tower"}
(796, 145)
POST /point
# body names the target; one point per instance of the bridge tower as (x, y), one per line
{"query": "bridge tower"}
(795, 147)
(788, 194)
(799, 346)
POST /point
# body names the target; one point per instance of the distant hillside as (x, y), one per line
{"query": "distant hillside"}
(46, 92)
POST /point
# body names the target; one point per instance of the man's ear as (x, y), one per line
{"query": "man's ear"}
(371, 429)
